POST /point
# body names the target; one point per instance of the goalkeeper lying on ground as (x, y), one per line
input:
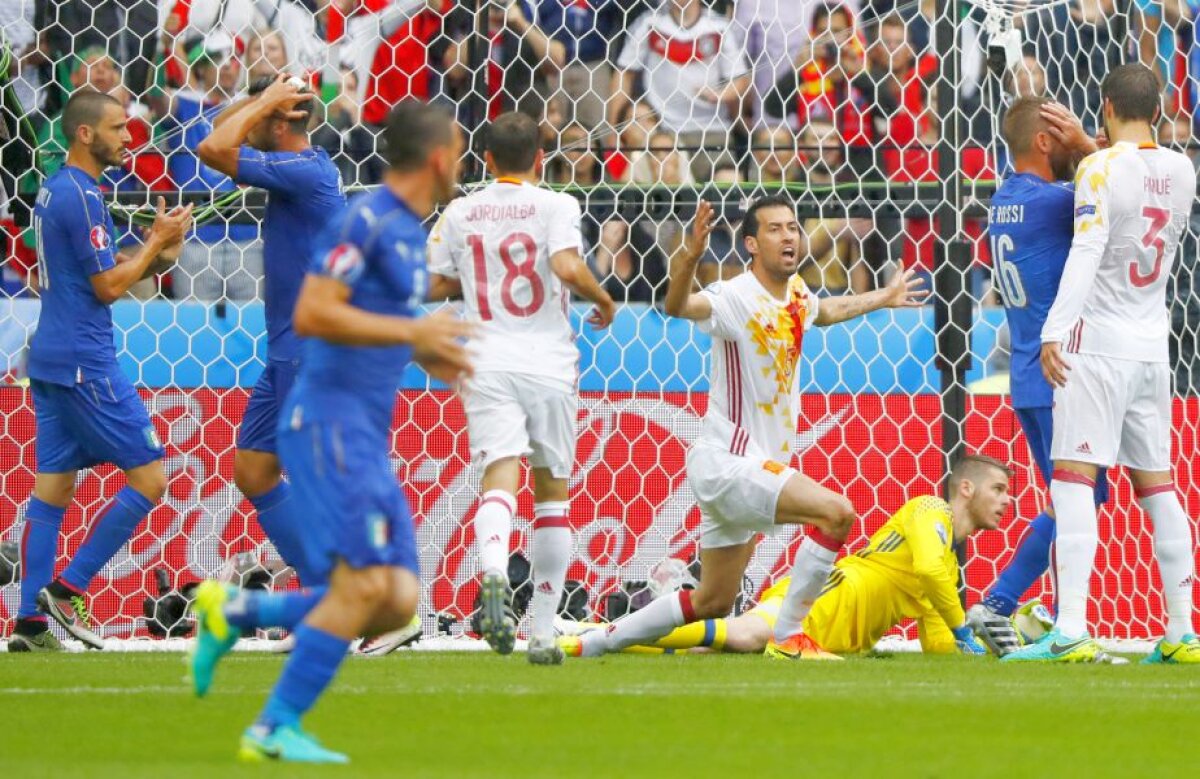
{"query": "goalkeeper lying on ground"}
(908, 570)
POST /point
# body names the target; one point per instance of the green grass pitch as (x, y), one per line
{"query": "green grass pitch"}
(469, 714)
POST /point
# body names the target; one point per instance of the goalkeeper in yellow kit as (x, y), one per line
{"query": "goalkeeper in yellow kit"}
(907, 570)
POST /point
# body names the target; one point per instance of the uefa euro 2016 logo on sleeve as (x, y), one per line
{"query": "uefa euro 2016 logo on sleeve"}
(377, 525)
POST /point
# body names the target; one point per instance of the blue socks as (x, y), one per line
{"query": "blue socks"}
(1031, 560)
(278, 521)
(308, 671)
(110, 530)
(253, 609)
(39, 550)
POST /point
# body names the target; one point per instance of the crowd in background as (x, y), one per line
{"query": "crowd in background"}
(810, 93)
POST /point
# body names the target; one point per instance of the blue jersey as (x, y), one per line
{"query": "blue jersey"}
(1030, 224)
(305, 191)
(74, 338)
(379, 252)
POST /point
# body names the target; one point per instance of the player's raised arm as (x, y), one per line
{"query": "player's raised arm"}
(1092, 223)
(164, 237)
(680, 301)
(903, 291)
(283, 98)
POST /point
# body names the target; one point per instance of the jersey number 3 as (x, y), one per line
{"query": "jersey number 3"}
(525, 269)
(1159, 217)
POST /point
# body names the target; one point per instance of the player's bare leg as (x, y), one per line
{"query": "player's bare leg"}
(1174, 549)
(830, 515)
(493, 528)
(550, 554)
(721, 572)
(52, 494)
(259, 476)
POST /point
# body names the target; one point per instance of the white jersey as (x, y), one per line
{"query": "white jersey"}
(1132, 204)
(676, 62)
(498, 242)
(753, 398)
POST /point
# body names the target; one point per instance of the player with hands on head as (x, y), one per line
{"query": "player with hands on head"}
(514, 251)
(87, 410)
(358, 310)
(263, 141)
(739, 468)
(1105, 352)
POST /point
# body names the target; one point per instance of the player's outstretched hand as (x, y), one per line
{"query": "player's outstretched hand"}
(697, 238)
(437, 346)
(1054, 367)
(170, 227)
(905, 290)
(285, 96)
(602, 315)
(1066, 128)
(966, 642)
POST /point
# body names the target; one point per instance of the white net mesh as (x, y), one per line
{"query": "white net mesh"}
(642, 105)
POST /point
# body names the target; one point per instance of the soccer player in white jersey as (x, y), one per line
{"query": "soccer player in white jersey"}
(514, 252)
(739, 468)
(1104, 349)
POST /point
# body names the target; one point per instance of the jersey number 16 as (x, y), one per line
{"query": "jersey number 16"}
(1005, 273)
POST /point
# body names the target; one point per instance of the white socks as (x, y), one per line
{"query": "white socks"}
(1075, 553)
(643, 626)
(814, 561)
(1174, 550)
(493, 526)
(550, 555)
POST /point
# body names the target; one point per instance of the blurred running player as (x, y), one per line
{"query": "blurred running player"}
(1030, 225)
(263, 141)
(357, 310)
(87, 411)
(514, 251)
(739, 468)
(1105, 352)
(908, 570)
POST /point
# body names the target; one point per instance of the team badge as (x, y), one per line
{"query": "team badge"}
(377, 525)
(99, 238)
(1085, 211)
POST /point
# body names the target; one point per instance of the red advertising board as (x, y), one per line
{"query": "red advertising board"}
(630, 505)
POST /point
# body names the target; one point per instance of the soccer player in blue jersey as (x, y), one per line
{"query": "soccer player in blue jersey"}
(1030, 225)
(263, 141)
(357, 308)
(87, 411)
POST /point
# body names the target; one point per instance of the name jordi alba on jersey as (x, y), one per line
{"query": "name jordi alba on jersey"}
(753, 400)
(498, 243)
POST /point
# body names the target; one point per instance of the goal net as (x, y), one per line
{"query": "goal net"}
(851, 108)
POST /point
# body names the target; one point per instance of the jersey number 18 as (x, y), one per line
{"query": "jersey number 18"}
(513, 270)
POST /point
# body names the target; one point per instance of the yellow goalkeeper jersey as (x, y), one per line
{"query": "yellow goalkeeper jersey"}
(908, 570)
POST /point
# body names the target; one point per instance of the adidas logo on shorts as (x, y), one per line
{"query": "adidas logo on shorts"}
(1084, 448)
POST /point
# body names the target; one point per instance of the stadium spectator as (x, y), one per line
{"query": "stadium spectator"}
(575, 162)
(521, 62)
(661, 163)
(636, 126)
(773, 156)
(894, 84)
(127, 31)
(694, 76)
(145, 168)
(266, 55)
(402, 66)
(1028, 79)
(774, 37)
(220, 261)
(726, 256)
(349, 143)
(585, 30)
(1158, 23)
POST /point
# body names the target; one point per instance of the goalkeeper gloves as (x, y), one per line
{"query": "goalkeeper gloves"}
(966, 642)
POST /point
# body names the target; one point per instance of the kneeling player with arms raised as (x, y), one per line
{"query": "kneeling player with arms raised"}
(738, 468)
(908, 570)
(514, 251)
(1104, 349)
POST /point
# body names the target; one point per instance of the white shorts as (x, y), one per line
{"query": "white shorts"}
(513, 415)
(1114, 412)
(737, 495)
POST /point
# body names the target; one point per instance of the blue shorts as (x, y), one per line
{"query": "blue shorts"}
(261, 418)
(342, 479)
(1038, 425)
(97, 421)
